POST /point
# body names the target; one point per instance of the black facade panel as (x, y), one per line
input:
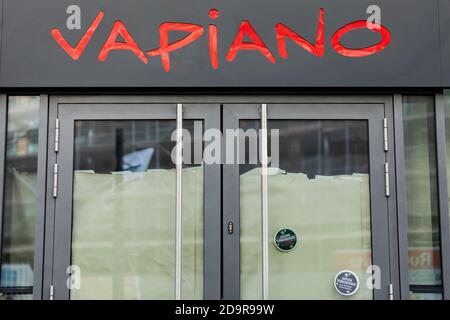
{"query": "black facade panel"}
(30, 57)
(445, 41)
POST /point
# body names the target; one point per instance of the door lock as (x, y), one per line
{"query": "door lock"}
(230, 227)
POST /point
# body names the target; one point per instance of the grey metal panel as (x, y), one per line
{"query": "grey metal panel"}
(231, 114)
(3, 120)
(351, 111)
(50, 204)
(234, 99)
(39, 239)
(443, 193)
(379, 212)
(1, 33)
(115, 111)
(63, 209)
(37, 61)
(392, 200)
(212, 197)
(230, 205)
(402, 215)
(213, 220)
(444, 20)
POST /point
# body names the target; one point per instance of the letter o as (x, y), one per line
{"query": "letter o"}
(362, 52)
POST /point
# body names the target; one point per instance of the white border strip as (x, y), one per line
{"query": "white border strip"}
(264, 204)
(178, 227)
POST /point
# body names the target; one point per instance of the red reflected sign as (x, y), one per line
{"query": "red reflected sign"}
(424, 258)
(194, 32)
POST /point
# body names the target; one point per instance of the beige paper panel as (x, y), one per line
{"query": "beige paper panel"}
(331, 217)
(124, 234)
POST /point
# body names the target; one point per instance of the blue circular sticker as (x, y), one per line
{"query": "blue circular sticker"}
(346, 283)
(285, 240)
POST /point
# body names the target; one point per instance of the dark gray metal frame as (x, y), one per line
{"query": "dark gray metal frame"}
(392, 201)
(384, 226)
(59, 219)
(402, 218)
(39, 239)
(441, 154)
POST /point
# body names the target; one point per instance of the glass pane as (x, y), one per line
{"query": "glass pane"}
(20, 197)
(321, 193)
(123, 237)
(16, 297)
(425, 296)
(421, 191)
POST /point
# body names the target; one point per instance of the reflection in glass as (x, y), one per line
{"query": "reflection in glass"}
(123, 236)
(20, 192)
(321, 192)
(421, 191)
(447, 137)
(425, 296)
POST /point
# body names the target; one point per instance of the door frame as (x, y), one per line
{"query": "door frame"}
(44, 280)
(383, 241)
(59, 220)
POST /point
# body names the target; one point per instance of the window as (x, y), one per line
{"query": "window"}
(20, 198)
(422, 198)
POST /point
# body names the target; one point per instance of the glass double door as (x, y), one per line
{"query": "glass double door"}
(128, 221)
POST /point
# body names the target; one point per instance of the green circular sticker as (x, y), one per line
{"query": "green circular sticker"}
(285, 240)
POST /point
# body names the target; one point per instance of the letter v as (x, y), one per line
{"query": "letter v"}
(75, 53)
